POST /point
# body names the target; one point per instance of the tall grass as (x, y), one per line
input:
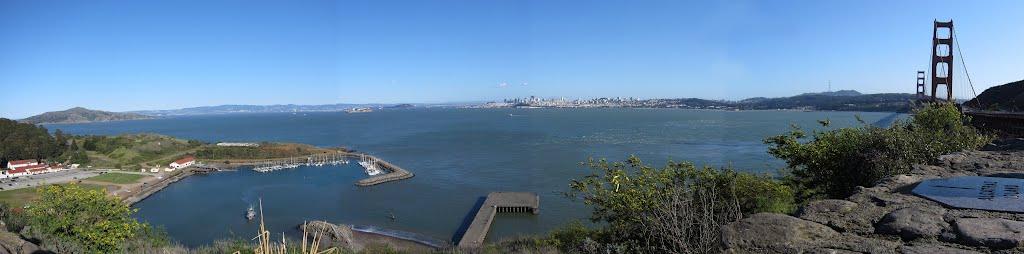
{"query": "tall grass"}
(309, 245)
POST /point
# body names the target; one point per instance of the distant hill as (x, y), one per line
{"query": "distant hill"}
(837, 93)
(1008, 97)
(228, 109)
(846, 100)
(81, 115)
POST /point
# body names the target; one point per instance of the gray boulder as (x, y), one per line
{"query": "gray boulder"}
(774, 233)
(934, 249)
(913, 222)
(992, 233)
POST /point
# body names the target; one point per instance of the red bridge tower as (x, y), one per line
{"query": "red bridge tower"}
(942, 59)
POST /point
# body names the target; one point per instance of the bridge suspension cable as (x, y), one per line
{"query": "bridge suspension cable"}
(963, 62)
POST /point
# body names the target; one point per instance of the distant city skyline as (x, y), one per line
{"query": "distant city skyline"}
(148, 55)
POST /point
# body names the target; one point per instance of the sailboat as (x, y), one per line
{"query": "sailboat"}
(251, 213)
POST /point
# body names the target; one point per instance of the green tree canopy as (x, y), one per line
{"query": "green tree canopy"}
(87, 217)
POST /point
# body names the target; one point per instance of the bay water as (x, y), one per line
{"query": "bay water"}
(457, 155)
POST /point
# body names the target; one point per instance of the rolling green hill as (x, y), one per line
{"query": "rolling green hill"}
(81, 115)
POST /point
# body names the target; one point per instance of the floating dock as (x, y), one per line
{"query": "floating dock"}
(497, 202)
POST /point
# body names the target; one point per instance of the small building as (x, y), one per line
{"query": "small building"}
(21, 163)
(16, 172)
(28, 170)
(38, 169)
(155, 170)
(183, 162)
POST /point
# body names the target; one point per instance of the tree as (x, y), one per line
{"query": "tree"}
(88, 218)
(25, 141)
(61, 140)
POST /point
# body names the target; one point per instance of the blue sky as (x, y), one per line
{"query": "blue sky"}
(133, 55)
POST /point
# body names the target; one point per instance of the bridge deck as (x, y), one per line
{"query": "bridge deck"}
(497, 202)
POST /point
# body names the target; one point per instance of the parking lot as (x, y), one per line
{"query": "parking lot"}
(43, 179)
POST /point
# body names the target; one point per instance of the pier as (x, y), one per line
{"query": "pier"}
(497, 202)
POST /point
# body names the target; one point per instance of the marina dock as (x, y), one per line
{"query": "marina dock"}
(497, 202)
(394, 173)
(387, 172)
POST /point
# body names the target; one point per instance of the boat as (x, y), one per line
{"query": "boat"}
(359, 110)
(251, 214)
(370, 164)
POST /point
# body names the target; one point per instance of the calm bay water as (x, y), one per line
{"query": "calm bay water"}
(458, 156)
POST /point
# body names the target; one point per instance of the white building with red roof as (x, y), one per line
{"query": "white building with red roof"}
(183, 162)
(27, 170)
(21, 163)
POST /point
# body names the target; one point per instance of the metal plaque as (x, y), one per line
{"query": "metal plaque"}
(975, 192)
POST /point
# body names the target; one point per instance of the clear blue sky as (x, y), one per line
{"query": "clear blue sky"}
(132, 55)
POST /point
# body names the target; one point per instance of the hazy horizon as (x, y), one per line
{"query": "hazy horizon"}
(129, 55)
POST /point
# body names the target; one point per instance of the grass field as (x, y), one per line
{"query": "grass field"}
(118, 178)
(20, 197)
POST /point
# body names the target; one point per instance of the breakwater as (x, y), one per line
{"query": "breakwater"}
(148, 189)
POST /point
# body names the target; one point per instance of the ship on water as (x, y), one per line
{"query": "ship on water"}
(359, 110)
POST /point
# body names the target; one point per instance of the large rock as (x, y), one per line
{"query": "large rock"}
(826, 210)
(12, 243)
(934, 249)
(914, 222)
(992, 233)
(840, 215)
(333, 235)
(774, 233)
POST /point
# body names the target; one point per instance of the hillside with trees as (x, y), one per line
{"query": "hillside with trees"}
(19, 141)
(81, 115)
(846, 100)
(1007, 97)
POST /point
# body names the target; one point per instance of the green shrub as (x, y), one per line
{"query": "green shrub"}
(832, 163)
(569, 236)
(674, 209)
(73, 219)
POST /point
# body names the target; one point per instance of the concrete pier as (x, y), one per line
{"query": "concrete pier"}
(497, 202)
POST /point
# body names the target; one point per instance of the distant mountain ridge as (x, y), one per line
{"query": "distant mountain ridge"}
(81, 115)
(836, 93)
(228, 109)
(842, 100)
(845, 100)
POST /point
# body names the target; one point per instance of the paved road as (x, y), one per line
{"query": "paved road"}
(44, 179)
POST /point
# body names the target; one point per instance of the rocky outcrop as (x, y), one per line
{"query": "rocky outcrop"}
(331, 235)
(887, 218)
(914, 222)
(995, 233)
(14, 244)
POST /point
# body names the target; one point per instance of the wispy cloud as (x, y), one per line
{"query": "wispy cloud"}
(502, 85)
